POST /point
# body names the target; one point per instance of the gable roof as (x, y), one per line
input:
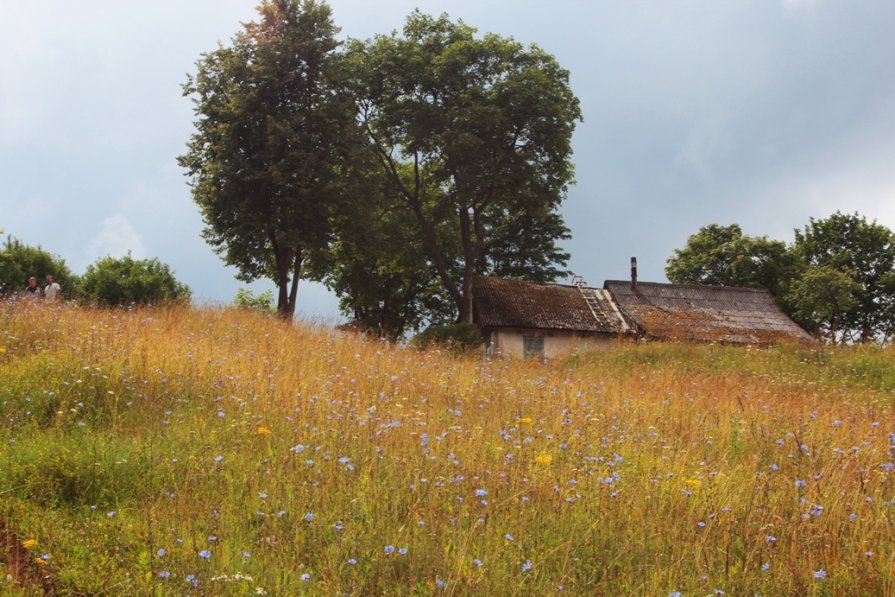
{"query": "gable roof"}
(499, 302)
(705, 313)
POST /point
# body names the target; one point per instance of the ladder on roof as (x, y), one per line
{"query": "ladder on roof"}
(599, 305)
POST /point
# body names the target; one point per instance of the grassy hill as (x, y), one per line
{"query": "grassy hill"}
(220, 452)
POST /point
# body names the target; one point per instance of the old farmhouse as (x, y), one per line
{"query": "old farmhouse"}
(535, 319)
(532, 319)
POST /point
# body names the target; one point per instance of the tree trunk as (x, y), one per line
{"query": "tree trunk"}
(296, 274)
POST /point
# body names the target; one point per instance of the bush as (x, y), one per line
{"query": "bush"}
(18, 262)
(246, 299)
(124, 281)
(457, 337)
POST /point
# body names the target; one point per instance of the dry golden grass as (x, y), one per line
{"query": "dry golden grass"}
(223, 452)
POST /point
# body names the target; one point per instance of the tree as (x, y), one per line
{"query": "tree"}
(272, 133)
(724, 256)
(18, 262)
(125, 281)
(820, 298)
(866, 251)
(468, 130)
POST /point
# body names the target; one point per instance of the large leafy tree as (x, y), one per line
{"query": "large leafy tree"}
(19, 261)
(124, 280)
(272, 133)
(820, 298)
(472, 132)
(724, 256)
(866, 252)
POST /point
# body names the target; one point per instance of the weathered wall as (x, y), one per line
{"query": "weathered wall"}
(509, 342)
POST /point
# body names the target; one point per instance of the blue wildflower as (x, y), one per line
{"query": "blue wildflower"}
(204, 554)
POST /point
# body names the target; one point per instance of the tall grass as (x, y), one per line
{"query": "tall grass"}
(222, 452)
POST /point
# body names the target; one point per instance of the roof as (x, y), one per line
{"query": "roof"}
(499, 302)
(705, 313)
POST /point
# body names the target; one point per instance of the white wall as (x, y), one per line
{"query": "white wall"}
(509, 343)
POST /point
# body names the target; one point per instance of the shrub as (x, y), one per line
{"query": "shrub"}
(457, 337)
(125, 281)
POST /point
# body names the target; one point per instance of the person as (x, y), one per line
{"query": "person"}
(52, 291)
(33, 290)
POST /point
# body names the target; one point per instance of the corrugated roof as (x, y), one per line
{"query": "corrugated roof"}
(513, 303)
(705, 313)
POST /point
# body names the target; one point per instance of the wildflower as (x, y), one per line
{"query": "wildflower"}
(800, 483)
(700, 524)
(246, 554)
(352, 561)
(524, 421)
(868, 554)
(164, 574)
(204, 554)
(218, 458)
(29, 543)
(527, 566)
(309, 517)
(440, 583)
(766, 566)
(772, 539)
(161, 552)
(508, 537)
(40, 561)
(112, 514)
(389, 549)
(820, 574)
(480, 493)
(693, 482)
(191, 578)
(544, 459)
(403, 551)
(264, 431)
(306, 577)
(477, 563)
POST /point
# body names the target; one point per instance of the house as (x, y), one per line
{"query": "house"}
(534, 319)
(537, 319)
(704, 313)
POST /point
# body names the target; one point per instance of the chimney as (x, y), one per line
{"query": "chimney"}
(633, 272)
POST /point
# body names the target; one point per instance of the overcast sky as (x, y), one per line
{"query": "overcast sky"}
(760, 112)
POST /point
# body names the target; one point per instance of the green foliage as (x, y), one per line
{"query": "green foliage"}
(126, 281)
(246, 299)
(821, 296)
(837, 279)
(383, 280)
(866, 251)
(273, 128)
(19, 261)
(470, 131)
(724, 256)
(458, 337)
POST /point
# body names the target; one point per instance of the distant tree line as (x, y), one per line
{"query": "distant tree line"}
(110, 281)
(836, 279)
(393, 170)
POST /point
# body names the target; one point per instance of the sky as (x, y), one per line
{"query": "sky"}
(763, 113)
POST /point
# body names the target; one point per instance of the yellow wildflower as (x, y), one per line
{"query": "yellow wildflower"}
(523, 421)
(40, 561)
(29, 543)
(693, 482)
(264, 431)
(544, 459)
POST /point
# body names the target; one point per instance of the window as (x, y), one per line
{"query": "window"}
(533, 346)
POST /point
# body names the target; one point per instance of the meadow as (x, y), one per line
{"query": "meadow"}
(221, 452)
